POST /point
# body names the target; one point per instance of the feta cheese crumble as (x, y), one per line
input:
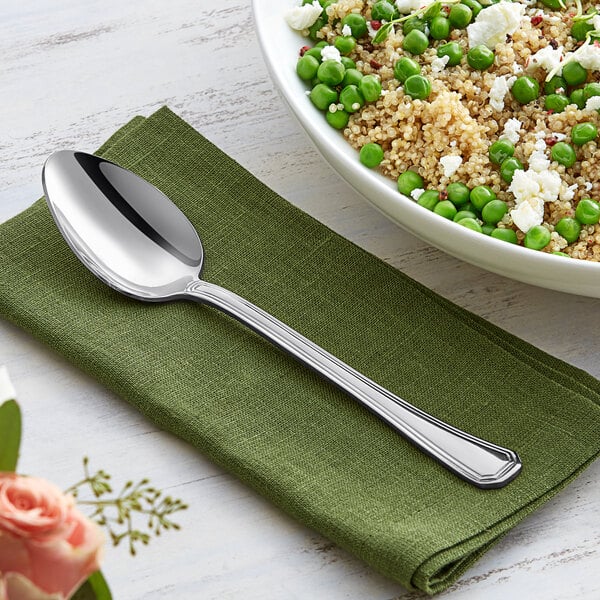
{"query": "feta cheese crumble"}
(493, 24)
(302, 17)
(527, 214)
(593, 103)
(346, 31)
(533, 188)
(439, 63)
(588, 56)
(512, 128)
(417, 193)
(450, 164)
(547, 58)
(498, 91)
(409, 6)
(331, 53)
(567, 192)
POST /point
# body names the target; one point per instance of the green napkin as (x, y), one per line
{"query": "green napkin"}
(295, 438)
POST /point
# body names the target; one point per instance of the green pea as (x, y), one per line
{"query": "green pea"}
(591, 89)
(453, 51)
(480, 57)
(554, 4)
(428, 199)
(316, 52)
(470, 223)
(525, 89)
(569, 228)
(537, 237)
(409, 181)
(382, 11)
(371, 154)
(501, 150)
(357, 24)
(331, 72)
(506, 235)
(580, 29)
(583, 133)
(587, 212)
(352, 98)
(481, 195)
(564, 154)
(404, 68)
(322, 96)
(370, 87)
(414, 23)
(556, 102)
(487, 228)
(348, 63)
(316, 27)
(460, 15)
(338, 119)
(577, 98)
(322, 44)
(508, 168)
(574, 74)
(445, 209)
(307, 67)
(556, 83)
(439, 29)
(493, 211)
(473, 5)
(415, 42)
(345, 44)
(464, 214)
(417, 87)
(352, 77)
(458, 193)
(561, 254)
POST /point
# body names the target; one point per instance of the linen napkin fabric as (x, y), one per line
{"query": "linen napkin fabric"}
(275, 424)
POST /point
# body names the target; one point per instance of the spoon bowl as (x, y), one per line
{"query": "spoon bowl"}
(125, 230)
(137, 241)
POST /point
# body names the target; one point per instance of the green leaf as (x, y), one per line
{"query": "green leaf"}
(383, 32)
(95, 588)
(10, 435)
(432, 11)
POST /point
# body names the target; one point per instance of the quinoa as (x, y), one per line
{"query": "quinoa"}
(457, 118)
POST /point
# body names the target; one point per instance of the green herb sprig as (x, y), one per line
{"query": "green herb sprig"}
(117, 514)
(427, 12)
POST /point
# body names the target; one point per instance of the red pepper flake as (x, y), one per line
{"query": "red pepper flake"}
(446, 9)
(596, 43)
(375, 25)
(550, 140)
(304, 49)
(550, 111)
(536, 20)
(443, 195)
(375, 64)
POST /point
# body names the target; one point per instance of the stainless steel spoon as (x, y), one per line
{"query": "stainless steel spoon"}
(137, 241)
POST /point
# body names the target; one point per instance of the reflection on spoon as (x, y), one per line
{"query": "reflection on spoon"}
(136, 240)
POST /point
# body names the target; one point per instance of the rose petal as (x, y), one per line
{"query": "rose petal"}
(18, 587)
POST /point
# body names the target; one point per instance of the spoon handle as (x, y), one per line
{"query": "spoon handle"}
(481, 463)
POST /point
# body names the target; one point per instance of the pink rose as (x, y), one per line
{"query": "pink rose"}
(47, 547)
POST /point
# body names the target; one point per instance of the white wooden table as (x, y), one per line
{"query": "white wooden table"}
(72, 72)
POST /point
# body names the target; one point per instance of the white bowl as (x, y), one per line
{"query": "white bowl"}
(280, 45)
